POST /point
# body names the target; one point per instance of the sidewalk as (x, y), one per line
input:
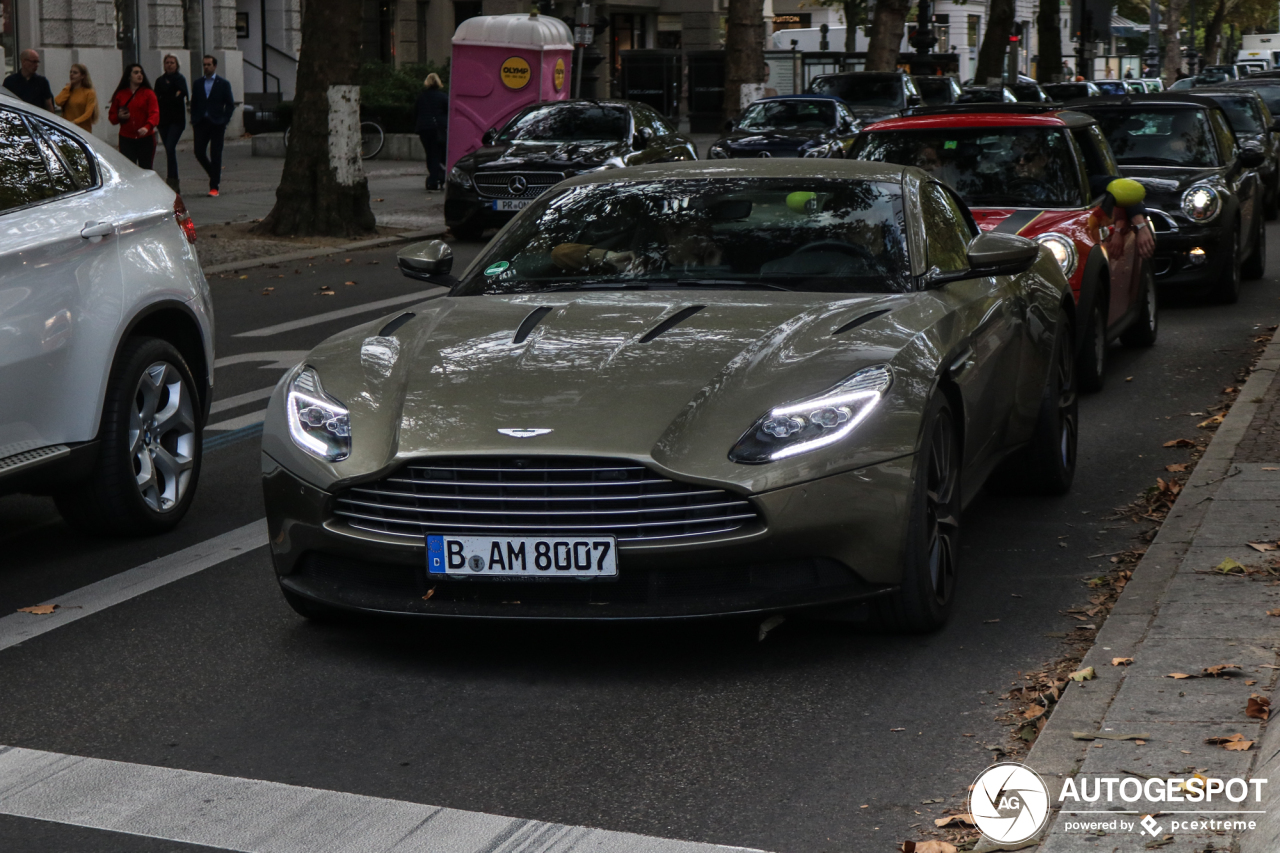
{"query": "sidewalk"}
(1179, 614)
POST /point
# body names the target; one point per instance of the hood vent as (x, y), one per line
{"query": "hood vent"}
(395, 324)
(859, 321)
(671, 322)
(528, 324)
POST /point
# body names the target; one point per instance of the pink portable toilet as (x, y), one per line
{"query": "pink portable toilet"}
(501, 64)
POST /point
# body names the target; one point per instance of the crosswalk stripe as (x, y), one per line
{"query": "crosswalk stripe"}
(419, 296)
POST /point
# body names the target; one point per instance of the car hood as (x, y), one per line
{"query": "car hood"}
(1029, 223)
(868, 114)
(609, 374)
(1165, 185)
(773, 140)
(542, 155)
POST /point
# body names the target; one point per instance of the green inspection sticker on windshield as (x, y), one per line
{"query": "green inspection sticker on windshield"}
(950, 143)
(494, 269)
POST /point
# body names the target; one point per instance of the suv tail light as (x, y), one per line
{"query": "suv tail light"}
(184, 219)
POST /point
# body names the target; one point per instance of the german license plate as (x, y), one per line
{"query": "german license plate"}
(510, 204)
(522, 557)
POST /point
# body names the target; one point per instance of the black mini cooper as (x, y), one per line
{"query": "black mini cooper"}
(545, 143)
(1204, 194)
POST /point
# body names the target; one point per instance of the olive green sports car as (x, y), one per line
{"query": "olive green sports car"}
(680, 390)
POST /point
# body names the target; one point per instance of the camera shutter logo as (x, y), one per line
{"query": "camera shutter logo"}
(1009, 802)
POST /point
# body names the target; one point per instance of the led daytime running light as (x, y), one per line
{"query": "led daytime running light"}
(318, 423)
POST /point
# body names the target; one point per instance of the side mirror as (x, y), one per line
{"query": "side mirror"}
(426, 261)
(490, 136)
(641, 140)
(1001, 254)
(913, 100)
(1252, 158)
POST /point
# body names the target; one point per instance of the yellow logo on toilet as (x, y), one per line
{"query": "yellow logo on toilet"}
(516, 73)
(557, 78)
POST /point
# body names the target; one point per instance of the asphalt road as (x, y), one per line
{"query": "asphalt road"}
(690, 732)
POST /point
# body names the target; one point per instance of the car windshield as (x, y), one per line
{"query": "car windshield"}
(981, 96)
(1270, 93)
(1029, 92)
(835, 236)
(863, 91)
(1242, 113)
(1177, 137)
(1063, 91)
(568, 123)
(1109, 87)
(789, 115)
(989, 167)
(935, 91)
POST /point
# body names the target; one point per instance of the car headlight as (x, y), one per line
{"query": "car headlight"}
(1201, 203)
(318, 423)
(827, 150)
(457, 176)
(1063, 249)
(717, 153)
(815, 421)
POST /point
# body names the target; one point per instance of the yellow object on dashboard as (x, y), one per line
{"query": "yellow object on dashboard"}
(1126, 192)
(802, 202)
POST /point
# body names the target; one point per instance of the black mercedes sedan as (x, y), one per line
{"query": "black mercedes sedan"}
(544, 144)
(937, 90)
(1254, 127)
(871, 95)
(789, 126)
(1204, 194)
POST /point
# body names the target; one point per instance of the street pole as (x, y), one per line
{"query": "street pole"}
(1153, 42)
(1192, 56)
(580, 45)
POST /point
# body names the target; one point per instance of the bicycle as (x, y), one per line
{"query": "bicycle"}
(371, 139)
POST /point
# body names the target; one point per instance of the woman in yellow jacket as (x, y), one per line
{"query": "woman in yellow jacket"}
(77, 100)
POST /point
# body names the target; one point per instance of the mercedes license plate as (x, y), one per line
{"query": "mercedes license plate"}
(522, 557)
(510, 204)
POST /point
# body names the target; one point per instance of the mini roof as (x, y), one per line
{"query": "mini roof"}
(802, 97)
(985, 115)
(1154, 99)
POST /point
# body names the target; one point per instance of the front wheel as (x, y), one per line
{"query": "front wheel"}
(1091, 363)
(148, 449)
(927, 596)
(371, 140)
(1146, 326)
(1255, 266)
(1226, 288)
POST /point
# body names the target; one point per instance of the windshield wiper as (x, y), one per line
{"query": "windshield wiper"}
(598, 285)
(1150, 161)
(731, 282)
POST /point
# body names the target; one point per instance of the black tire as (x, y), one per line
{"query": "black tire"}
(312, 611)
(1091, 360)
(148, 446)
(1047, 465)
(1255, 266)
(1226, 289)
(1271, 201)
(1145, 328)
(927, 595)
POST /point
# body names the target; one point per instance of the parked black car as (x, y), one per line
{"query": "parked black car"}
(1069, 91)
(936, 90)
(987, 95)
(1204, 195)
(789, 126)
(1029, 93)
(545, 143)
(1254, 127)
(871, 95)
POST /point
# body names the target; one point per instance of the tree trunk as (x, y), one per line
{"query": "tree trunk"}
(851, 8)
(991, 56)
(323, 190)
(1049, 65)
(1172, 45)
(887, 27)
(1213, 33)
(744, 52)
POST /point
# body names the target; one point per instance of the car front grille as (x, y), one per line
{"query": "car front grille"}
(515, 184)
(537, 496)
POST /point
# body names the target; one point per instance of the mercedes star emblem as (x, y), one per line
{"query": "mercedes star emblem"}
(524, 433)
(517, 185)
(765, 154)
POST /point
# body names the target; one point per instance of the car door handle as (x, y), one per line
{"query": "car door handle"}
(95, 231)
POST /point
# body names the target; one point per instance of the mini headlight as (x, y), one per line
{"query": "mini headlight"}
(318, 423)
(1201, 203)
(1063, 249)
(827, 150)
(457, 176)
(813, 422)
(717, 153)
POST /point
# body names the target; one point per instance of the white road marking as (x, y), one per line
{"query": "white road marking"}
(279, 359)
(241, 399)
(20, 627)
(419, 296)
(269, 817)
(237, 422)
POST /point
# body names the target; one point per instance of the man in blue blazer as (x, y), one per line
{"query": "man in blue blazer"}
(212, 104)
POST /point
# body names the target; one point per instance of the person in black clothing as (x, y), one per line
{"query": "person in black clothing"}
(172, 93)
(27, 84)
(431, 121)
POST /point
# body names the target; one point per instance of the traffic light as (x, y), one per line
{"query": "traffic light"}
(1016, 36)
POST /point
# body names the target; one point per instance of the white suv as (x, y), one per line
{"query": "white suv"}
(106, 330)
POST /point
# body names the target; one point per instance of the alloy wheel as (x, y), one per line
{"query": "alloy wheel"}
(162, 436)
(1067, 409)
(941, 519)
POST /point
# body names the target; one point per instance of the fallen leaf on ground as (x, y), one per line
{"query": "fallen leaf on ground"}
(1271, 469)
(326, 293)
(1085, 674)
(1179, 675)
(1273, 612)
(1128, 379)
(1140, 742)
(927, 847)
(1223, 739)
(348, 283)
(898, 730)
(864, 807)
(1263, 546)
(1177, 468)
(1250, 683)
(430, 593)
(244, 276)
(959, 819)
(1230, 390)
(1219, 669)
(1121, 661)
(1110, 736)
(1034, 712)
(1259, 707)
(935, 800)
(1180, 442)
(39, 609)
(1213, 421)
(1228, 566)
(1238, 746)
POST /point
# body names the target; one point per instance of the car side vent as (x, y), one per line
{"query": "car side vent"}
(859, 321)
(528, 324)
(671, 322)
(391, 327)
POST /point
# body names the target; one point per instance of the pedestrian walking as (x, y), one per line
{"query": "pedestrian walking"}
(134, 108)
(431, 121)
(173, 96)
(212, 104)
(27, 84)
(78, 101)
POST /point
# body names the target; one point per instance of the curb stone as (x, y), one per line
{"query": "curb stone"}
(1083, 706)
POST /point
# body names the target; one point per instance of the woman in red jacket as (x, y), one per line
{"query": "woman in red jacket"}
(135, 109)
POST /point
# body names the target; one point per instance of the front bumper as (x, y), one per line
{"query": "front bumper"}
(835, 540)
(1176, 263)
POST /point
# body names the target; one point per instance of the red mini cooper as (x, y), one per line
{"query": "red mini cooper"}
(1040, 174)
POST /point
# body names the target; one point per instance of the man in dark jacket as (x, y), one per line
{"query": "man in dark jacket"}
(212, 104)
(27, 84)
(431, 121)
